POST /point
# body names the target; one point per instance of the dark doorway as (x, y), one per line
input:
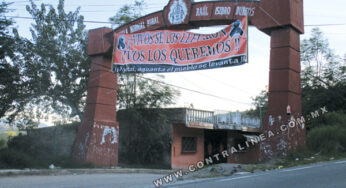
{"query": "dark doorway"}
(215, 141)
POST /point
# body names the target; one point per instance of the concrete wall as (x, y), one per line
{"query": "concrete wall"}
(57, 140)
(144, 138)
(183, 160)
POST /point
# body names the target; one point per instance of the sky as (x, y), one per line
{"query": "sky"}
(233, 87)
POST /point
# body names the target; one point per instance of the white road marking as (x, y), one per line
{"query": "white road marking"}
(294, 169)
(339, 162)
(241, 177)
(242, 173)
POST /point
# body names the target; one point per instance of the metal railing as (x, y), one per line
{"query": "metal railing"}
(224, 120)
(193, 115)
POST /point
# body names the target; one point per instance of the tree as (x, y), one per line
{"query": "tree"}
(261, 105)
(128, 13)
(134, 90)
(11, 85)
(56, 64)
(323, 75)
(321, 67)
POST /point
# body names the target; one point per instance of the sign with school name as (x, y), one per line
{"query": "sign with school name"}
(176, 51)
(187, 14)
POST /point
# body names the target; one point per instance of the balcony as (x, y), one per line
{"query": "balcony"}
(221, 120)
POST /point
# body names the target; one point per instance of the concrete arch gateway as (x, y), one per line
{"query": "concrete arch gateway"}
(282, 20)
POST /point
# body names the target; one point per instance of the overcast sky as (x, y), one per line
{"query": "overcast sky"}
(234, 85)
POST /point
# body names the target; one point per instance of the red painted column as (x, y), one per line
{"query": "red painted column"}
(284, 90)
(98, 134)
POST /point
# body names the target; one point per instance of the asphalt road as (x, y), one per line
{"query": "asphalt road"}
(329, 174)
(326, 175)
(81, 181)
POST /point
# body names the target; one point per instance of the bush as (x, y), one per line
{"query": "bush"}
(3, 143)
(300, 154)
(329, 119)
(327, 139)
(29, 146)
(37, 152)
(10, 158)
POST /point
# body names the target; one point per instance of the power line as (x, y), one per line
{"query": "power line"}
(89, 21)
(321, 25)
(199, 92)
(94, 5)
(224, 83)
(23, 1)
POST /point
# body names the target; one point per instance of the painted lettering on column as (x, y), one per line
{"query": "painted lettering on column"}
(137, 27)
(202, 11)
(124, 31)
(153, 21)
(243, 11)
(220, 11)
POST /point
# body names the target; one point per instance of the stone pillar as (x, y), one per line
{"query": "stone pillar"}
(284, 90)
(98, 134)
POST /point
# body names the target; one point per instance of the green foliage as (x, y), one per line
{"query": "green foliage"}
(52, 68)
(56, 61)
(261, 105)
(328, 134)
(10, 158)
(18, 159)
(323, 78)
(323, 75)
(26, 145)
(3, 143)
(300, 154)
(328, 119)
(327, 139)
(146, 137)
(11, 86)
(7, 47)
(128, 13)
(31, 152)
(135, 91)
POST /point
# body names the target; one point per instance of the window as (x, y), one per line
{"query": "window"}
(189, 144)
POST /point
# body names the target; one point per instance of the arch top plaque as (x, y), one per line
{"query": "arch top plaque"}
(186, 14)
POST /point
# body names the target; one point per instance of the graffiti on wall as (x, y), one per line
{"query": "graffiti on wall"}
(266, 148)
(281, 146)
(109, 131)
